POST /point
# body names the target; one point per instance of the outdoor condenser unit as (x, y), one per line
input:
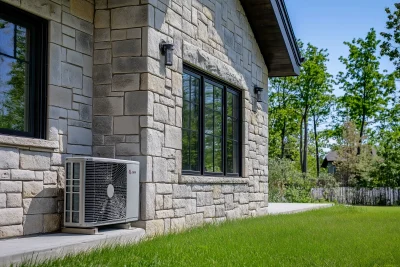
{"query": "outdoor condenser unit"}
(100, 191)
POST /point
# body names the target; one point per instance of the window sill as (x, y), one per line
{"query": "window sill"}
(28, 143)
(193, 179)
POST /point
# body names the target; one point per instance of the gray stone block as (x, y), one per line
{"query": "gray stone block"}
(130, 65)
(33, 224)
(5, 175)
(204, 199)
(11, 216)
(102, 19)
(181, 191)
(79, 136)
(10, 231)
(55, 64)
(71, 76)
(102, 74)
(127, 48)
(60, 97)
(160, 113)
(3, 200)
(173, 137)
(9, 158)
(24, 175)
(127, 149)
(79, 150)
(139, 103)
(152, 142)
(102, 35)
(31, 189)
(74, 57)
(14, 200)
(50, 177)
(102, 125)
(33, 160)
(146, 167)
(160, 173)
(102, 56)
(129, 17)
(84, 43)
(51, 222)
(108, 106)
(148, 207)
(126, 125)
(164, 188)
(39, 205)
(10, 187)
(125, 82)
(104, 151)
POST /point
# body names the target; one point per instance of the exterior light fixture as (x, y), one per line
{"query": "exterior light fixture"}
(168, 51)
(258, 91)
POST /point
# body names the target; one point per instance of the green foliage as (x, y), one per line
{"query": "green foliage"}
(367, 91)
(288, 184)
(337, 236)
(390, 45)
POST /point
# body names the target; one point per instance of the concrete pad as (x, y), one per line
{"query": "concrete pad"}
(56, 245)
(287, 208)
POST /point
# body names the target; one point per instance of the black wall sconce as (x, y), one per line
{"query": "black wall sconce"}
(258, 91)
(168, 51)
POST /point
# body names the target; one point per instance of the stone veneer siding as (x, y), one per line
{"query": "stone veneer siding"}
(137, 110)
(31, 170)
(138, 106)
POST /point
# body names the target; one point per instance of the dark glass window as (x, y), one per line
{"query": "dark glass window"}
(23, 42)
(211, 126)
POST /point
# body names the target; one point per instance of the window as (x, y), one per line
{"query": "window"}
(23, 56)
(210, 126)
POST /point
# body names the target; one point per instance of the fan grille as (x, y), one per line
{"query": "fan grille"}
(99, 207)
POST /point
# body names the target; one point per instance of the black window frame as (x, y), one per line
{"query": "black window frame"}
(38, 59)
(201, 132)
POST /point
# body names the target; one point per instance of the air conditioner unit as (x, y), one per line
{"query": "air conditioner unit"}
(100, 191)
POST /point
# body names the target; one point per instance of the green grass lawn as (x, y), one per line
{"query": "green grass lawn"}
(338, 236)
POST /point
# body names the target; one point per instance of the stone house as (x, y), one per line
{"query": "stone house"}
(88, 77)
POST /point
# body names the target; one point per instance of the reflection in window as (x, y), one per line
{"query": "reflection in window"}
(14, 76)
(191, 123)
(211, 127)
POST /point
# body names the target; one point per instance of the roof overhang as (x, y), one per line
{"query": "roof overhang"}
(273, 31)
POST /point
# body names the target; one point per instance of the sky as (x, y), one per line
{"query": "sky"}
(328, 23)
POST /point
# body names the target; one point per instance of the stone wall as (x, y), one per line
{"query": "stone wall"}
(31, 170)
(214, 36)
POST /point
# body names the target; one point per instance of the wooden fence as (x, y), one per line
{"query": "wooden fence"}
(382, 196)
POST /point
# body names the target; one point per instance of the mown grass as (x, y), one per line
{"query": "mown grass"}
(337, 236)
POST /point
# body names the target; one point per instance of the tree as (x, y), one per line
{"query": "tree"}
(366, 90)
(12, 101)
(283, 117)
(391, 44)
(315, 96)
(353, 167)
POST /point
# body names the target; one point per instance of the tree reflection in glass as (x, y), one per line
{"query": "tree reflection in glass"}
(14, 78)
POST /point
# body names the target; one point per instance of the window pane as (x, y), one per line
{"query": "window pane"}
(217, 98)
(13, 93)
(209, 96)
(208, 153)
(229, 104)
(236, 106)
(229, 128)
(186, 87)
(229, 156)
(76, 169)
(236, 159)
(194, 152)
(191, 123)
(218, 123)
(195, 90)
(185, 150)
(14, 78)
(194, 118)
(208, 121)
(7, 30)
(218, 155)
(186, 115)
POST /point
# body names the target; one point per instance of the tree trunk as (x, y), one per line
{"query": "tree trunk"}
(316, 143)
(361, 133)
(301, 143)
(304, 169)
(283, 139)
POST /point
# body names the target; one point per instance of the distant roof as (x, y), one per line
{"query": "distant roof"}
(273, 31)
(333, 156)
